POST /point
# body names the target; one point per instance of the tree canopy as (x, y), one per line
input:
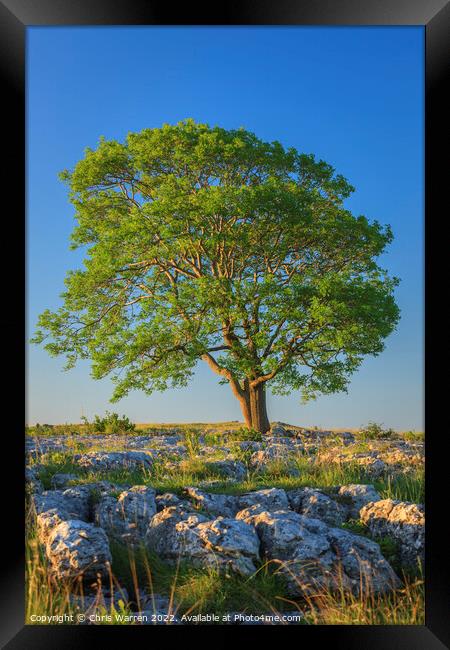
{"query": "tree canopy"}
(209, 244)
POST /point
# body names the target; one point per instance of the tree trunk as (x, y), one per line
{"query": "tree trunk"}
(253, 406)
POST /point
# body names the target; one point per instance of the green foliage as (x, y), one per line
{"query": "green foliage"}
(242, 434)
(40, 429)
(210, 591)
(355, 526)
(245, 434)
(389, 549)
(413, 436)
(404, 487)
(374, 431)
(192, 442)
(242, 455)
(109, 423)
(195, 589)
(53, 429)
(55, 463)
(297, 473)
(203, 243)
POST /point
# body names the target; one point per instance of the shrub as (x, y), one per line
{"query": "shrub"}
(414, 436)
(39, 430)
(192, 443)
(109, 423)
(244, 434)
(374, 431)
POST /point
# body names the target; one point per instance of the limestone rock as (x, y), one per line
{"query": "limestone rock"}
(224, 544)
(356, 496)
(104, 488)
(232, 469)
(215, 504)
(270, 499)
(404, 522)
(76, 548)
(229, 544)
(277, 429)
(247, 445)
(277, 449)
(33, 483)
(163, 537)
(313, 556)
(104, 461)
(314, 503)
(127, 517)
(300, 547)
(369, 462)
(373, 466)
(166, 500)
(362, 561)
(155, 603)
(73, 502)
(59, 480)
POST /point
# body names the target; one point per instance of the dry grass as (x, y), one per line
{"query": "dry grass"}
(404, 606)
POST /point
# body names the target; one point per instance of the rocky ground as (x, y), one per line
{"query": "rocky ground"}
(319, 511)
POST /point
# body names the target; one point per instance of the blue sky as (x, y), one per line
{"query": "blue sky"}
(352, 96)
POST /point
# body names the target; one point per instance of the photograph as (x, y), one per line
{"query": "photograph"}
(225, 269)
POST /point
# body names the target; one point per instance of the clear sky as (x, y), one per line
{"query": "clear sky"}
(352, 96)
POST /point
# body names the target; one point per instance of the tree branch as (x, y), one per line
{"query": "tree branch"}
(224, 372)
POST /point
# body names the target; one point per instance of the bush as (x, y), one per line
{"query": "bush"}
(192, 443)
(40, 430)
(413, 436)
(244, 434)
(110, 423)
(374, 431)
(239, 435)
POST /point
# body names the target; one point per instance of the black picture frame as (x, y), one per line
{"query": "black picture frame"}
(15, 17)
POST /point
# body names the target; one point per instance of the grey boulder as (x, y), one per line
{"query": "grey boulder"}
(224, 544)
(270, 499)
(215, 504)
(126, 518)
(104, 461)
(54, 506)
(77, 549)
(404, 522)
(355, 496)
(230, 469)
(314, 503)
(313, 556)
(60, 480)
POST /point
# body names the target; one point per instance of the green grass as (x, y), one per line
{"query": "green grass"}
(198, 590)
(191, 441)
(191, 471)
(153, 428)
(404, 487)
(413, 436)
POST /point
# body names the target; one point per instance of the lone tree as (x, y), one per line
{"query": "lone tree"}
(208, 244)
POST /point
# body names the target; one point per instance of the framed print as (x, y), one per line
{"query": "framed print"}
(228, 221)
